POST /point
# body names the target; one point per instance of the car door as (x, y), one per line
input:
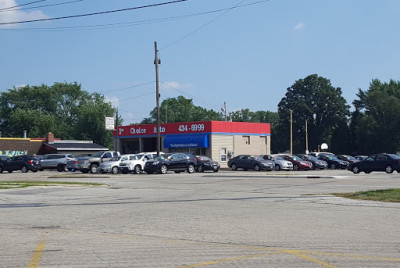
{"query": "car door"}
(381, 162)
(368, 164)
(175, 161)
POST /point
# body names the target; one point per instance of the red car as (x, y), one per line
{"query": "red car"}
(298, 163)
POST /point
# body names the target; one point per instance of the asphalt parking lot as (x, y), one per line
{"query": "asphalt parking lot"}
(224, 219)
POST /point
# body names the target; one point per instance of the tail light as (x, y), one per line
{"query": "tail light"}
(76, 162)
(30, 162)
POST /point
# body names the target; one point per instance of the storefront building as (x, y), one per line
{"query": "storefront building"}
(219, 140)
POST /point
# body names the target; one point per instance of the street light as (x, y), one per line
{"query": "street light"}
(291, 132)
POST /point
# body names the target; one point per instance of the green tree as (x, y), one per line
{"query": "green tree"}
(181, 109)
(377, 124)
(313, 99)
(63, 108)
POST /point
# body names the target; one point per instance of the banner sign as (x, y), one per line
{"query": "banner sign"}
(213, 127)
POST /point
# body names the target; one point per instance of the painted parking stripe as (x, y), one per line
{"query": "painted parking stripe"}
(37, 254)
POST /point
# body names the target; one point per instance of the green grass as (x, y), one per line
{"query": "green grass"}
(24, 184)
(386, 195)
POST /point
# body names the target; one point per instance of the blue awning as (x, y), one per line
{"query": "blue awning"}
(186, 141)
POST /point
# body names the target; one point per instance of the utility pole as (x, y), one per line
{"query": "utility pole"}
(224, 110)
(116, 128)
(157, 62)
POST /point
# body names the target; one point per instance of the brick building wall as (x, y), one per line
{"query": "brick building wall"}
(15, 146)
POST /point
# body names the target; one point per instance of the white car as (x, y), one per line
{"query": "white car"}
(112, 165)
(280, 163)
(135, 163)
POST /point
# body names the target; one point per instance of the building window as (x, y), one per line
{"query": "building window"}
(246, 139)
(223, 155)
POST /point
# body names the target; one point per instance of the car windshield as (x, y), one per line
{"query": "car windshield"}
(296, 158)
(163, 157)
(277, 157)
(204, 158)
(394, 156)
(115, 158)
(259, 158)
(331, 157)
(310, 157)
(98, 154)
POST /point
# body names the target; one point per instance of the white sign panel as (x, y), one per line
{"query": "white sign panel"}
(109, 123)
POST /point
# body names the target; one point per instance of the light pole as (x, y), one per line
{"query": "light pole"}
(306, 138)
(291, 132)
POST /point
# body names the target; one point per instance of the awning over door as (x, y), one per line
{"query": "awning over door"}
(186, 141)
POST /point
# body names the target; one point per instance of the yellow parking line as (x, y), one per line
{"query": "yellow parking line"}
(309, 258)
(37, 254)
(226, 260)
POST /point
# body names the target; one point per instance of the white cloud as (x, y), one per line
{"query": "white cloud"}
(15, 14)
(300, 26)
(113, 100)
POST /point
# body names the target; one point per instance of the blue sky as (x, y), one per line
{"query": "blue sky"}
(245, 53)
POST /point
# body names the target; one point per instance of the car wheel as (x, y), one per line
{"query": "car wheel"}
(257, 168)
(234, 167)
(389, 169)
(10, 171)
(295, 167)
(114, 170)
(61, 168)
(190, 168)
(137, 169)
(216, 170)
(163, 169)
(355, 170)
(367, 171)
(94, 168)
(24, 169)
(333, 166)
(277, 167)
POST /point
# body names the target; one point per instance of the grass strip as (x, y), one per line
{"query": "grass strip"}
(24, 184)
(384, 195)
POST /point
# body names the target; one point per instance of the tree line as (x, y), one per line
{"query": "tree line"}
(310, 105)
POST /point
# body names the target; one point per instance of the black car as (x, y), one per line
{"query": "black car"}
(347, 158)
(333, 161)
(205, 163)
(177, 162)
(20, 162)
(377, 162)
(316, 163)
(250, 162)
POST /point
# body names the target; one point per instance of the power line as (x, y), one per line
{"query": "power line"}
(209, 22)
(125, 88)
(132, 23)
(95, 13)
(48, 5)
(21, 5)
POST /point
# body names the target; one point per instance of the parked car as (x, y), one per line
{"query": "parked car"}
(205, 163)
(360, 157)
(333, 161)
(112, 165)
(298, 163)
(377, 162)
(347, 158)
(316, 163)
(247, 162)
(280, 163)
(177, 162)
(20, 162)
(134, 163)
(91, 163)
(56, 161)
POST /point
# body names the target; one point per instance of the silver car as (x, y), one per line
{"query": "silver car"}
(280, 163)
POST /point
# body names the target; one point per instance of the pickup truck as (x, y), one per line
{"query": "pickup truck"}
(91, 163)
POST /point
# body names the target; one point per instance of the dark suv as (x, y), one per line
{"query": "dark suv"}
(20, 162)
(177, 162)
